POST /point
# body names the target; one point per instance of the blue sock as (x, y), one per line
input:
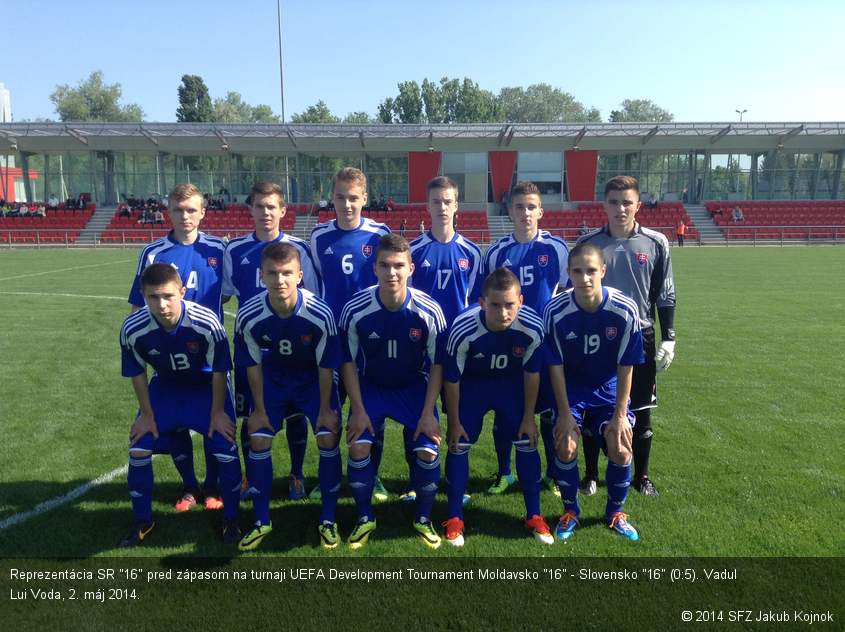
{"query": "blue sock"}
(361, 479)
(530, 479)
(296, 431)
(212, 466)
(410, 455)
(377, 449)
(457, 475)
(618, 483)
(503, 452)
(329, 474)
(182, 452)
(567, 482)
(230, 481)
(426, 481)
(259, 473)
(140, 479)
(547, 433)
(244, 442)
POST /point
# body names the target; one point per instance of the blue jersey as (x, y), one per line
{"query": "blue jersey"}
(186, 356)
(473, 350)
(304, 341)
(446, 272)
(242, 264)
(200, 265)
(345, 259)
(540, 266)
(392, 349)
(591, 345)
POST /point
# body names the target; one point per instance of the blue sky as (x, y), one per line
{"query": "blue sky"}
(780, 60)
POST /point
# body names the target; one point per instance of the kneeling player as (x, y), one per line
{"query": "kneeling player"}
(187, 347)
(492, 362)
(594, 338)
(297, 332)
(391, 331)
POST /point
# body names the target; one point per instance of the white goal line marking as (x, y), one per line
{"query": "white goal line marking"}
(93, 265)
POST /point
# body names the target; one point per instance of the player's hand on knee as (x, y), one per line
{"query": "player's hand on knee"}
(566, 431)
(256, 421)
(358, 423)
(328, 419)
(620, 433)
(665, 354)
(223, 424)
(145, 423)
(528, 429)
(454, 434)
(430, 427)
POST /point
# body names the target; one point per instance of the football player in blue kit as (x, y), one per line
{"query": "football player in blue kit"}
(446, 266)
(492, 362)
(594, 338)
(199, 260)
(344, 250)
(538, 259)
(287, 339)
(242, 278)
(186, 346)
(391, 332)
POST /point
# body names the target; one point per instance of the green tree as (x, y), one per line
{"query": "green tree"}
(640, 110)
(93, 100)
(432, 97)
(194, 101)
(408, 105)
(262, 113)
(541, 103)
(475, 105)
(233, 109)
(318, 113)
(358, 118)
(385, 110)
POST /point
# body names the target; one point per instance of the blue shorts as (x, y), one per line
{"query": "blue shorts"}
(177, 407)
(504, 396)
(285, 395)
(243, 393)
(404, 405)
(598, 405)
(546, 395)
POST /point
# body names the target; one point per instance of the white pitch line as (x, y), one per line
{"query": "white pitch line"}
(93, 265)
(116, 298)
(61, 500)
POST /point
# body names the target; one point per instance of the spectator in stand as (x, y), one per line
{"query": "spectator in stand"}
(331, 205)
(165, 202)
(53, 203)
(81, 203)
(152, 202)
(14, 211)
(322, 205)
(715, 210)
(132, 203)
(422, 227)
(2, 202)
(680, 231)
(125, 211)
(158, 217)
(652, 203)
(70, 203)
(583, 229)
(221, 205)
(382, 205)
(504, 203)
(403, 227)
(391, 205)
(737, 216)
(5, 209)
(40, 212)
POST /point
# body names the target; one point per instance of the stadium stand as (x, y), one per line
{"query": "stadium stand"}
(60, 226)
(664, 219)
(782, 219)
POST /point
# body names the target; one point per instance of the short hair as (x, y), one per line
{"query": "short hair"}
(351, 176)
(525, 188)
(268, 188)
(621, 183)
(281, 253)
(391, 242)
(185, 191)
(441, 182)
(500, 280)
(159, 274)
(585, 249)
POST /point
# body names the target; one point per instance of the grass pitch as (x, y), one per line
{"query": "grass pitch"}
(747, 455)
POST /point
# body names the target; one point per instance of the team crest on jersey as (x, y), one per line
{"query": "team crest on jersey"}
(543, 260)
(193, 347)
(212, 261)
(415, 334)
(610, 332)
(519, 351)
(367, 250)
(463, 264)
(642, 258)
(306, 340)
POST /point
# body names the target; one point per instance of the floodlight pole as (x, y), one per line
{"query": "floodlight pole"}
(737, 111)
(281, 61)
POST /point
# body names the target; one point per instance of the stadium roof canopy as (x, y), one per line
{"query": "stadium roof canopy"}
(276, 139)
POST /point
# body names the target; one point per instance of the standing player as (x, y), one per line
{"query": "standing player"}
(391, 331)
(343, 251)
(594, 339)
(639, 264)
(187, 348)
(446, 264)
(198, 258)
(287, 339)
(492, 362)
(538, 259)
(242, 278)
